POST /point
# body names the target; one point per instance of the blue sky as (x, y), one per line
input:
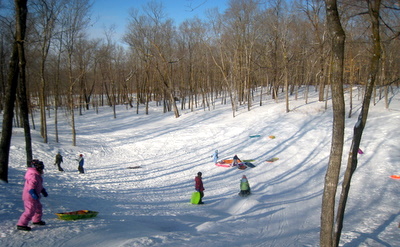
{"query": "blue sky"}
(116, 12)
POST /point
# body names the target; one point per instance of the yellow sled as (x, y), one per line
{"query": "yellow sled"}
(77, 215)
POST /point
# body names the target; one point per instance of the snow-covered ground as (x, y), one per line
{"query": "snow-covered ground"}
(149, 206)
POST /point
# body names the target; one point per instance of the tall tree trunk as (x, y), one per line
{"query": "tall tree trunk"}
(373, 9)
(71, 97)
(22, 12)
(337, 37)
(11, 89)
(2, 71)
(72, 112)
(57, 93)
(8, 114)
(286, 79)
(42, 103)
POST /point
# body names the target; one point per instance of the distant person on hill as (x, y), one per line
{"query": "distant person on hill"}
(215, 156)
(244, 187)
(31, 196)
(236, 160)
(199, 186)
(81, 162)
(58, 161)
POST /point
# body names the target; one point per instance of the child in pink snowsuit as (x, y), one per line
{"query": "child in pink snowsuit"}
(31, 196)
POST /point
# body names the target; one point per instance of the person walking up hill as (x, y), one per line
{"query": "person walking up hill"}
(58, 161)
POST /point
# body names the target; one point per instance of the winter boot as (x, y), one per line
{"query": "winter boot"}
(41, 223)
(23, 228)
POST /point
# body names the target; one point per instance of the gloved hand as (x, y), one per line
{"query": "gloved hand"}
(33, 194)
(44, 192)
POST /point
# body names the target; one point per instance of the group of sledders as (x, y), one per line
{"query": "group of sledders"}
(33, 190)
(235, 162)
(244, 187)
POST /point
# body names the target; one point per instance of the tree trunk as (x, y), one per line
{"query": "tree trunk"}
(22, 12)
(8, 115)
(373, 7)
(42, 103)
(71, 99)
(11, 89)
(337, 37)
(72, 112)
(286, 79)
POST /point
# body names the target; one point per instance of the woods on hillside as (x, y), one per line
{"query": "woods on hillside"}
(48, 61)
(274, 46)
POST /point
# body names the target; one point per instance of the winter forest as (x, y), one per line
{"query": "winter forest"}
(274, 46)
(275, 49)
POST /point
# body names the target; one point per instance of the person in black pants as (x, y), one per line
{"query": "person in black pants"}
(81, 161)
(199, 186)
(59, 160)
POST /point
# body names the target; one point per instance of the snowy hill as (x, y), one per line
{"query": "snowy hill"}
(149, 206)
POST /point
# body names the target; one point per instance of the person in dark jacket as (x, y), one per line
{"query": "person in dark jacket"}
(33, 188)
(236, 160)
(59, 160)
(199, 186)
(81, 162)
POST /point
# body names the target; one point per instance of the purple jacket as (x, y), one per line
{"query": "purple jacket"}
(33, 180)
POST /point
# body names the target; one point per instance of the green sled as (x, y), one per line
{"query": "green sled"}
(195, 198)
(77, 215)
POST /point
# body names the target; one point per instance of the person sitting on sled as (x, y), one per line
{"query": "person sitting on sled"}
(244, 187)
(31, 196)
(235, 161)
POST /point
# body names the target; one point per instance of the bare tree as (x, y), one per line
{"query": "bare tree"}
(373, 11)
(337, 38)
(223, 57)
(153, 36)
(47, 12)
(57, 78)
(6, 43)
(75, 20)
(140, 47)
(8, 114)
(17, 71)
(107, 64)
(191, 49)
(22, 13)
(314, 12)
(241, 32)
(84, 58)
